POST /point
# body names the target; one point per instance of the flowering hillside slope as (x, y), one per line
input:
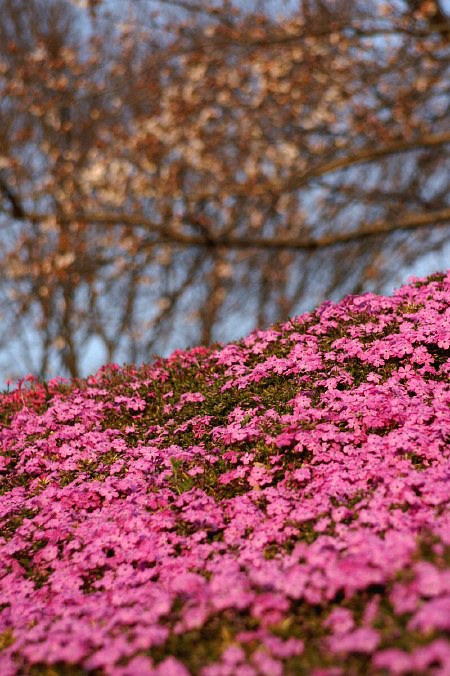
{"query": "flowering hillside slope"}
(276, 506)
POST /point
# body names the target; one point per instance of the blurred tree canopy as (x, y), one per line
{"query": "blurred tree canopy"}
(175, 170)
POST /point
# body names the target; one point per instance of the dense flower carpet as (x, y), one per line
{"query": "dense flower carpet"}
(278, 505)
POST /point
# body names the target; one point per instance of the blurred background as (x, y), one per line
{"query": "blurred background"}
(178, 172)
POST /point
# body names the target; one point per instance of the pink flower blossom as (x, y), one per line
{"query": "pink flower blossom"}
(363, 640)
(278, 496)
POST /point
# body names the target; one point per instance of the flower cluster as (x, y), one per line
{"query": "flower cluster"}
(275, 506)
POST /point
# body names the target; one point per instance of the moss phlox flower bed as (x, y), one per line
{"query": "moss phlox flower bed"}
(279, 505)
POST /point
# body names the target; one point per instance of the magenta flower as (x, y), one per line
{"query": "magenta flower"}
(278, 505)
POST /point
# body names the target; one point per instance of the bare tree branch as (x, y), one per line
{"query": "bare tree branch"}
(215, 12)
(13, 199)
(368, 155)
(170, 236)
(160, 171)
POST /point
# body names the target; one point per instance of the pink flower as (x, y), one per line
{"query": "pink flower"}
(302, 474)
(284, 648)
(124, 537)
(363, 640)
(433, 614)
(170, 667)
(266, 664)
(233, 655)
(340, 621)
(138, 665)
(436, 652)
(394, 660)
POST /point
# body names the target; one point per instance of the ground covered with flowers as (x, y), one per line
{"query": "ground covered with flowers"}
(279, 505)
